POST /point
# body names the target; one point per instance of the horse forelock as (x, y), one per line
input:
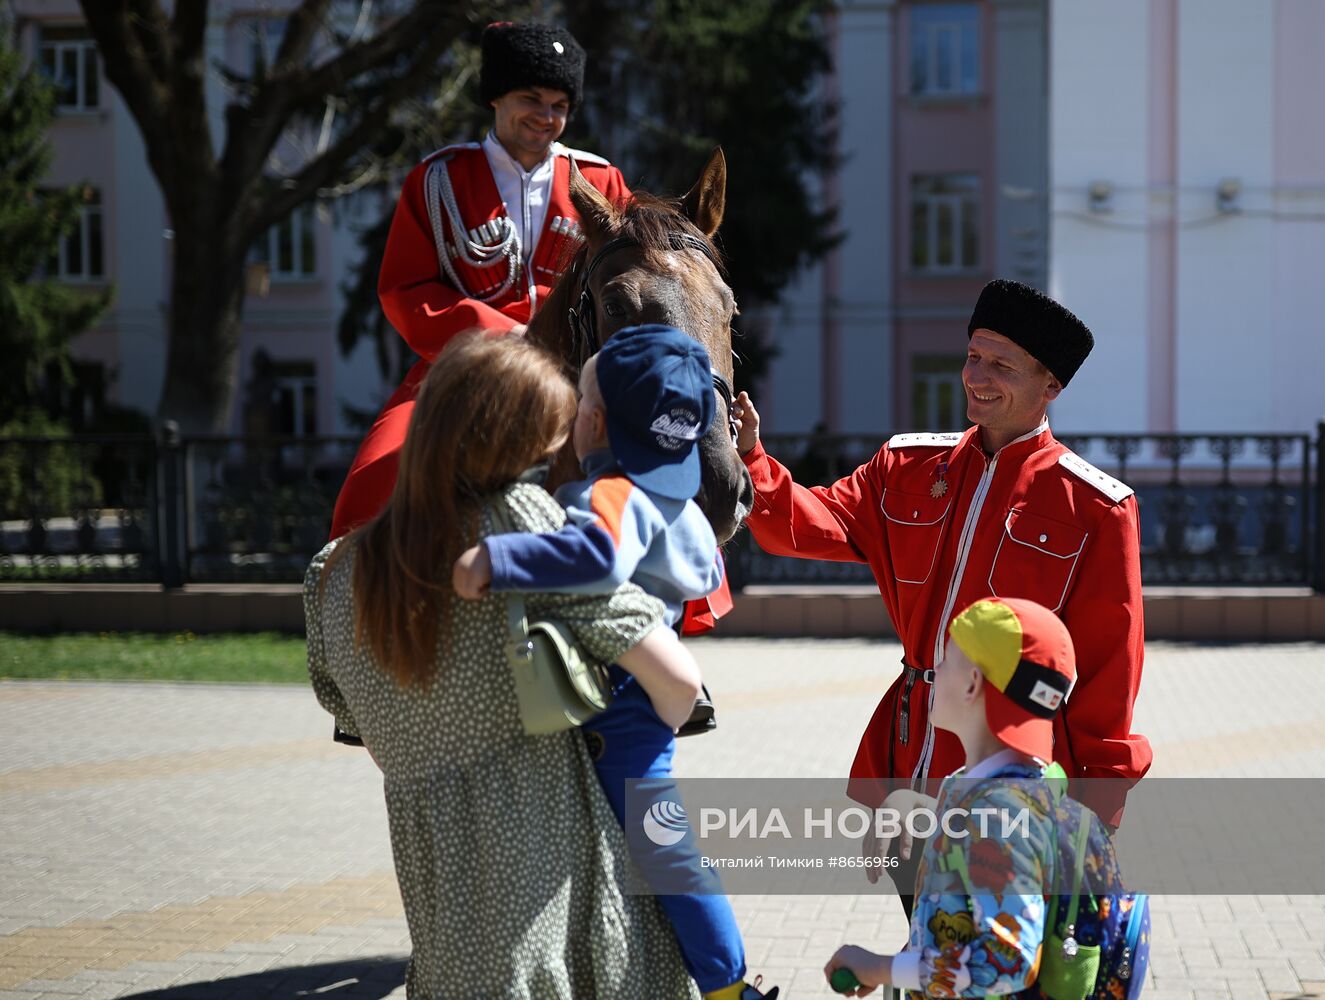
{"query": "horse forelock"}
(651, 223)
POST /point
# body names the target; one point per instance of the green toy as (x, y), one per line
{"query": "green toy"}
(843, 979)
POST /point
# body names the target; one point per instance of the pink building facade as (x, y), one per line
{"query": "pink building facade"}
(941, 188)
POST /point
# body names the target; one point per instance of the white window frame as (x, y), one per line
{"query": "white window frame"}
(270, 241)
(81, 46)
(958, 204)
(296, 385)
(938, 33)
(62, 269)
(932, 382)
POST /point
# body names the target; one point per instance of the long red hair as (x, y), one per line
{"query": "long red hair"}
(490, 407)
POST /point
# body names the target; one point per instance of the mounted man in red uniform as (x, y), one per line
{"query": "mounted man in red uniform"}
(481, 233)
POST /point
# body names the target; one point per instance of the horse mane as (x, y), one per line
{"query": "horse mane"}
(646, 219)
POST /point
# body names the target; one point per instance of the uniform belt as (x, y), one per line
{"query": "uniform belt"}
(912, 675)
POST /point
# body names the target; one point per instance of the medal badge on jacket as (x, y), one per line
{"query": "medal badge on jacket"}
(940, 485)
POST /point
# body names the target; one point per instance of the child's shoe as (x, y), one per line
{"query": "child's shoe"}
(743, 991)
(751, 992)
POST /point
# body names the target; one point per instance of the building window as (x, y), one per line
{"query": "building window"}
(295, 400)
(945, 49)
(289, 248)
(68, 58)
(938, 401)
(79, 256)
(945, 222)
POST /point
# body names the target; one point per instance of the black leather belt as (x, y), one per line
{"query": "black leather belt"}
(913, 674)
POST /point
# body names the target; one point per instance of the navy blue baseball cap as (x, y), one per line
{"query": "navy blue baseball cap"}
(657, 389)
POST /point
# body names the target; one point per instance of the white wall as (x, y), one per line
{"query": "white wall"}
(1245, 290)
(1098, 96)
(1225, 268)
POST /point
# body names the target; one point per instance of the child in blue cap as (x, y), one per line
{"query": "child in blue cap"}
(646, 399)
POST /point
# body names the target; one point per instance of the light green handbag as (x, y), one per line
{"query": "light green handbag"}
(557, 685)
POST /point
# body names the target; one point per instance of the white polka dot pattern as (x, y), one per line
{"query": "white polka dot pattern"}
(512, 868)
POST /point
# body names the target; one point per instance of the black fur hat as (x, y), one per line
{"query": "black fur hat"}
(1047, 331)
(530, 55)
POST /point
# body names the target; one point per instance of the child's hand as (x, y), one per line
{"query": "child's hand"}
(870, 970)
(747, 423)
(905, 801)
(472, 573)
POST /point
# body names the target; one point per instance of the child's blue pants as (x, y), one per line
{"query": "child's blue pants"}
(636, 744)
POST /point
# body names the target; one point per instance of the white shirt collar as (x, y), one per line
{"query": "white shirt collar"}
(493, 147)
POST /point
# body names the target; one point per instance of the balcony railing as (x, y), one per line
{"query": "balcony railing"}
(1216, 509)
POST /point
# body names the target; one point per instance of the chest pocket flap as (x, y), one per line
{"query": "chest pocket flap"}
(914, 524)
(1036, 558)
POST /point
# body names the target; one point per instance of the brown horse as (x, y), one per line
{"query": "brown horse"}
(654, 262)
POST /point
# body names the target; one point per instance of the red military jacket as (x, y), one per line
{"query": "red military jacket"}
(941, 524)
(419, 298)
(427, 310)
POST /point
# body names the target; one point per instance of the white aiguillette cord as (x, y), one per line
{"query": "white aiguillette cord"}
(437, 193)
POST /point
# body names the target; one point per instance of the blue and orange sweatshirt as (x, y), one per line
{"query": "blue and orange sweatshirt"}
(615, 531)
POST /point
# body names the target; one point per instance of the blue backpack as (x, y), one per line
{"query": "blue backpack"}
(1097, 935)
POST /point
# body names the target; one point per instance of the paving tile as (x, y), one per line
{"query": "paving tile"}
(223, 836)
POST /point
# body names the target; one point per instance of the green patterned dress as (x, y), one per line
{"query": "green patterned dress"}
(512, 868)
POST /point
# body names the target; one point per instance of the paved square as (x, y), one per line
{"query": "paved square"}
(208, 841)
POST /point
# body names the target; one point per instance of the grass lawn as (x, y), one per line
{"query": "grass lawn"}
(267, 657)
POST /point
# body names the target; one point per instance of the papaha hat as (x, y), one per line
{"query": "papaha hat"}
(657, 389)
(1046, 330)
(1026, 655)
(530, 55)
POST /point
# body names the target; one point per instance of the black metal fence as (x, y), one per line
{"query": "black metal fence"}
(1216, 509)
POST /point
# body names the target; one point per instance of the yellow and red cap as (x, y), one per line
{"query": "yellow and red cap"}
(1025, 654)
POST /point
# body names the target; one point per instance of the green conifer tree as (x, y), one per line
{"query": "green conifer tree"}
(38, 315)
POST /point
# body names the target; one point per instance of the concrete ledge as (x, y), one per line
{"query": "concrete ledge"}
(1274, 614)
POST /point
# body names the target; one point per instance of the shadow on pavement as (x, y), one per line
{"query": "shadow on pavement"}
(357, 979)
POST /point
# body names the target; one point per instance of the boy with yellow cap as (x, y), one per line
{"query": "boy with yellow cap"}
(1008, 668)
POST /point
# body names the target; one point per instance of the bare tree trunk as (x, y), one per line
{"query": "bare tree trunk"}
(202, 359)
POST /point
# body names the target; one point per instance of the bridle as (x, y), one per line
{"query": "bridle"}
(583, 315)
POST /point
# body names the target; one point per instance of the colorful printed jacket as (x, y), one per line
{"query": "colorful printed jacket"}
(615, 532)
(942, 524)
(989, 943)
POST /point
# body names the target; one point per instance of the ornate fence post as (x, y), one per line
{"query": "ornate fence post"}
(171, 512)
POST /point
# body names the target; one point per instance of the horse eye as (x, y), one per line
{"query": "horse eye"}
(614, 309)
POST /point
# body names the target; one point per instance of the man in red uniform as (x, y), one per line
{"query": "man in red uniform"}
(481, 232)
(1001, 510)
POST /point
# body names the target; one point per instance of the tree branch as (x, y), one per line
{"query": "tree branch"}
(118, 28)
(188, 87)
(300, 30)
(254, 130)
(323, 170)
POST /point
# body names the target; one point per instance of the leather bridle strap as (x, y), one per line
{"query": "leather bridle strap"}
(583, 316)
(584, 319)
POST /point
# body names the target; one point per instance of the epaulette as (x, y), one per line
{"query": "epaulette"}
(1114, 489)
(946, 440)
(455, 147)
(582, 155)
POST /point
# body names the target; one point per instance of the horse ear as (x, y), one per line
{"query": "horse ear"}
(706, 201)
(597, 214)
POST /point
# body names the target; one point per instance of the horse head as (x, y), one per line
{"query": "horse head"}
(653, 261)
